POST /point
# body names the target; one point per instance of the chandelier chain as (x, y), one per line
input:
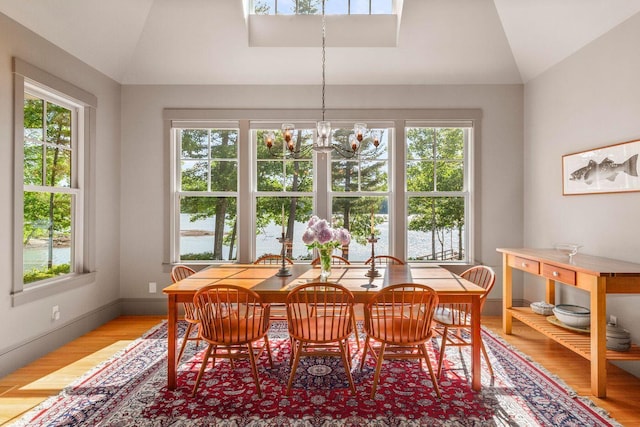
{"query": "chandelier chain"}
(323, 56)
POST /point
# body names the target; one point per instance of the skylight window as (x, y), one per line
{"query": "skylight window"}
(314, 7)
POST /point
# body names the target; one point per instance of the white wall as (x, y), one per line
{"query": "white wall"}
(499, 217)
(23, 325)
(589, 100)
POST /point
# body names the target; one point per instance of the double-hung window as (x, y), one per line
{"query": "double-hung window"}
(206, 196)
(53, 132)
(438, 191)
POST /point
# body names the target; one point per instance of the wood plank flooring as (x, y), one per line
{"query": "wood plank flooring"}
(28, 386)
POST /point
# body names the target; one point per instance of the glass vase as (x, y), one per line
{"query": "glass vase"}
(325, 263)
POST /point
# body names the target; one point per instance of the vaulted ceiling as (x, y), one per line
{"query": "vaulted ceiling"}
(207, 41)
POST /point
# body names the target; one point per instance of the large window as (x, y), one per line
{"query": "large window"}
(437, 193)
(206, 196)
(238, 188)
(51, 209)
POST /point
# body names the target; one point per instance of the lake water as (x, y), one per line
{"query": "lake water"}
(266, 242)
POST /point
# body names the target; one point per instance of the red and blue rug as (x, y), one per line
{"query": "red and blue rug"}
(130, 390)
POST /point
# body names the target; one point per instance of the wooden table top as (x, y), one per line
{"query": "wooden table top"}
(263, 280)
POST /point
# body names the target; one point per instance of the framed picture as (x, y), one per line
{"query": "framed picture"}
(609, 169)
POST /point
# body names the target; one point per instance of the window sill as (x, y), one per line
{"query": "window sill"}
(50, 288)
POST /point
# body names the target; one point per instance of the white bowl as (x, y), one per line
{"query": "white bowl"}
(573, 315)
(541, 307)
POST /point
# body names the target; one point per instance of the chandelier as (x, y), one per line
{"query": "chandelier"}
(323, 142)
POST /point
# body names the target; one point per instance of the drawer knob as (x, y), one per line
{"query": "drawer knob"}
(524, 264)
(555, 274)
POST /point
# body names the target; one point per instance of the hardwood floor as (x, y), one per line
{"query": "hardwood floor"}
(28, 386)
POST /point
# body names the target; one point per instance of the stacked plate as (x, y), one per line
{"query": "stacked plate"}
(618, 339)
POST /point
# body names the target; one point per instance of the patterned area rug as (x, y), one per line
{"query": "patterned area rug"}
(130, 390)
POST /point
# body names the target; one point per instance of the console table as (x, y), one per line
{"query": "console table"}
(596, 275)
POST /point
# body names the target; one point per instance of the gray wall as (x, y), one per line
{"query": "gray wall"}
(27, 330)
(589, 100)
(499, 161)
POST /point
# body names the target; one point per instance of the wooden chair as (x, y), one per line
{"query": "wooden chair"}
(385, 259)
(232, 319)
(179, 272)
(320, 323)
(272, 259)
(335, 260)
(399, 319)
(278, 310)
(452, 319)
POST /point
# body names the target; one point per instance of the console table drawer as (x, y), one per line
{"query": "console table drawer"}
(525, 264)
(558, 273)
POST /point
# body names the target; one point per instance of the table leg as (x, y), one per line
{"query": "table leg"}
(598, 338)
(507, 295)
(171, 338)
(476, 366)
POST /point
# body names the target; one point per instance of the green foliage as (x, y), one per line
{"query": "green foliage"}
(36, 274)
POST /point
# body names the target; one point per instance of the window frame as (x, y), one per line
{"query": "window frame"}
(33, 80)
(176, 181)
(399, 119)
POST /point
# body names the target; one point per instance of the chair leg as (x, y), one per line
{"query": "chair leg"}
(376, 376)
(443, 347)
(268, 348)
(364, 352)
(347, 365)
(184, 343)
(355, 327)
(297, 353)
(254, 369)
(205, 360)
(425, 353)
(486, 357)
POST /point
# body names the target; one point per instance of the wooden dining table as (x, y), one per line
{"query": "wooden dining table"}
(262, 279)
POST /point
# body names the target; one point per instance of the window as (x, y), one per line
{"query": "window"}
(314, 7)
(51, 208)
(437, 193)
(206, 196)
(360, 190)
(239, 186)
(284, 188)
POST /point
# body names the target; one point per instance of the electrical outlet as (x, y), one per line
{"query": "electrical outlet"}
(152, 287)
(613, 320)
(55, 313)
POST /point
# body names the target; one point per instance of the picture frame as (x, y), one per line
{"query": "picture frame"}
(608, 169)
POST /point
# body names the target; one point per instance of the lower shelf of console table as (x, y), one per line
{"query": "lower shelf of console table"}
(577, 342)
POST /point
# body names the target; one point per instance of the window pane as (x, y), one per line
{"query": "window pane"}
(354, 214)
(195, 144)
(270, 176)
(359, 7)
(208, 228)
(344, 175)
(270, 225)
(335, 7)
(224, 175)
(33, 163)
(299, 175)
(421, 143)
(46, 235)
(381, 7)
(373, 176)
(194, 175)
(58, 125)
(420, 176)
(450, 176)
(310, 7)
(436, 228)
(286, 7)
(58, 167)
(33, 111)
(264, 7)
(224, 144)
